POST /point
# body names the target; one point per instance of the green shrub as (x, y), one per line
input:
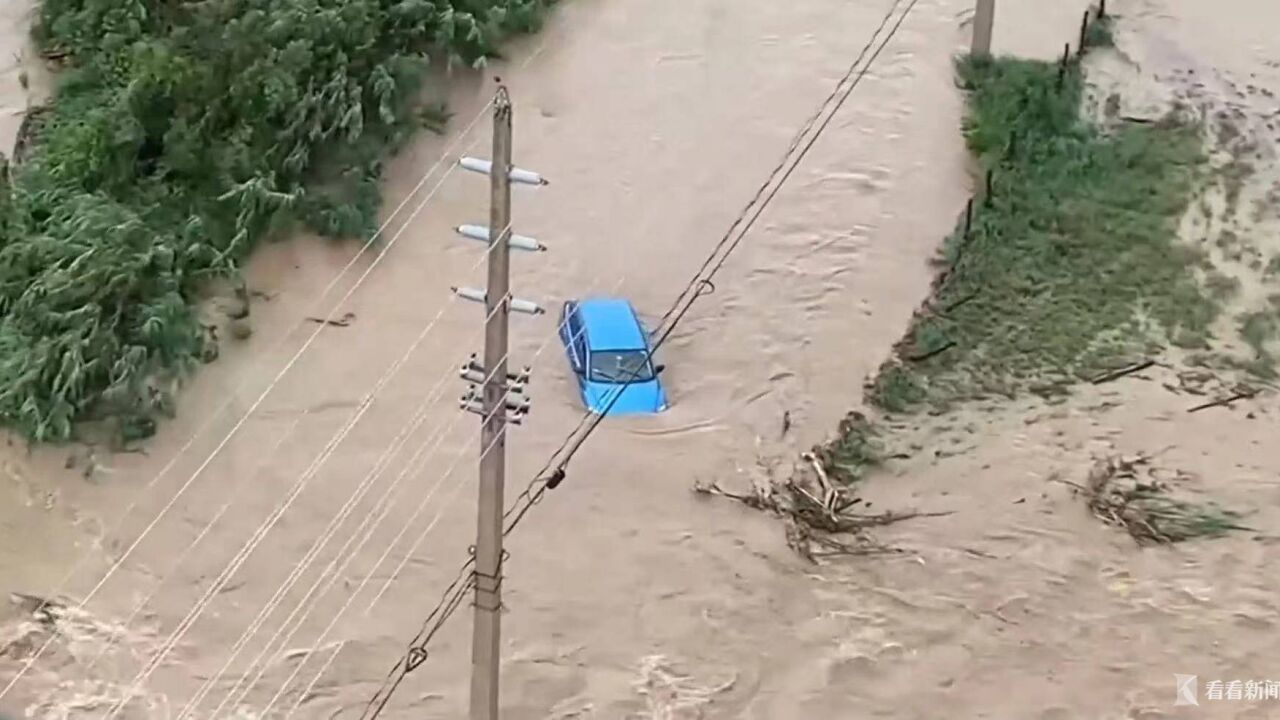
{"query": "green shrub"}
(180, 135)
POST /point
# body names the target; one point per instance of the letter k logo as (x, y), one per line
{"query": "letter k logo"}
(1188, 690)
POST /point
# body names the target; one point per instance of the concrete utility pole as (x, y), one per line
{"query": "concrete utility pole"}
(499, 395)
(984, 17)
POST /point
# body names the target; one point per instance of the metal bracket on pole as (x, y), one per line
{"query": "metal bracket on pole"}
(527, 307)
(473, 372)
(515, 242)
(473, 404)
(485, 167)
(512, 400)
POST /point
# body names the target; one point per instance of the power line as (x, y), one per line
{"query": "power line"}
(786, 156)
(368, 527)
(413, 549)
(432, 396)
(265, 528)
(119, 562)
(312, 469)
(702, 285)
(319, 642)
(699, 286)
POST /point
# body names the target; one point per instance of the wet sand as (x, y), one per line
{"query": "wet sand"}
(655, 124)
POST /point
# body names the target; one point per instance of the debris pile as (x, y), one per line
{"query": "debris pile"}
(823, 514)
(1131, 493)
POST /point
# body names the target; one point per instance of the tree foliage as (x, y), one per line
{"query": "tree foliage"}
(181, 134)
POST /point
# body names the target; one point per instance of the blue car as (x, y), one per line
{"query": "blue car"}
(610, 356)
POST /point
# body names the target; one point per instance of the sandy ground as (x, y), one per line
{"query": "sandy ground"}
(655, 123)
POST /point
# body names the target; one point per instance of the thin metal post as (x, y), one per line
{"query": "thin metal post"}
(486, 646)
(1084, 33)
(984, 17)
(1062, 64)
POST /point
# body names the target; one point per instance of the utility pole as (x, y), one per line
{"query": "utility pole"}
(984, 17)
(499, 402)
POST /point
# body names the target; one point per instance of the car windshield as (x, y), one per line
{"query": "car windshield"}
(620, 366)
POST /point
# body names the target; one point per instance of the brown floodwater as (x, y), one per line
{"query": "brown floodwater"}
(627, 595)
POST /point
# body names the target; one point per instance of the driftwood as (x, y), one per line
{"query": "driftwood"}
(1127, 492)
(1244, 394)
(819, 513)
(959, 303)
(921, 357)
(1125, 371)
(343, 321)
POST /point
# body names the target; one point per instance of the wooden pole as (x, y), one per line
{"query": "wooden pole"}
(486, 646)
(984, 17)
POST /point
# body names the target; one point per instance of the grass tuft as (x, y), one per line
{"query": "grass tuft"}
(855, 449)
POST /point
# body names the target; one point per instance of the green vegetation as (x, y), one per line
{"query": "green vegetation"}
(181, 134)
(855, 450)
(1099, 33)
(1072, 265)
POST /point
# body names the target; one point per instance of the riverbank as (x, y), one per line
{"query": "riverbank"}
(1080, 405)
(1083, 258)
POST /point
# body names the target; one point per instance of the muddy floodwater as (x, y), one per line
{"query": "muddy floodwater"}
(627, 595)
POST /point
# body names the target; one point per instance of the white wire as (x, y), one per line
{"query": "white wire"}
(370, 479)
(380, 511)
(214, 520)
(434, 442)
(369, 533)
(417, 543)
(230, 399)
(244, 478)
(299, 485)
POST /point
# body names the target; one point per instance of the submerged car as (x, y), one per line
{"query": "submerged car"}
(611, 357)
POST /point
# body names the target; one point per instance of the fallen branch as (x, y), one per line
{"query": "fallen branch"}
(1141, 503)
(343, 321)
(936, 351)
(960, 302)
(1123, 372)
(828, 491)
(1246, 394)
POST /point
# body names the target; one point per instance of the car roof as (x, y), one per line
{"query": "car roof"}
(611, 324)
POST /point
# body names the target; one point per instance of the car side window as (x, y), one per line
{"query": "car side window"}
(577, 337)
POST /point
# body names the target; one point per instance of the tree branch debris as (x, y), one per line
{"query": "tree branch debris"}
(1129, 493)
